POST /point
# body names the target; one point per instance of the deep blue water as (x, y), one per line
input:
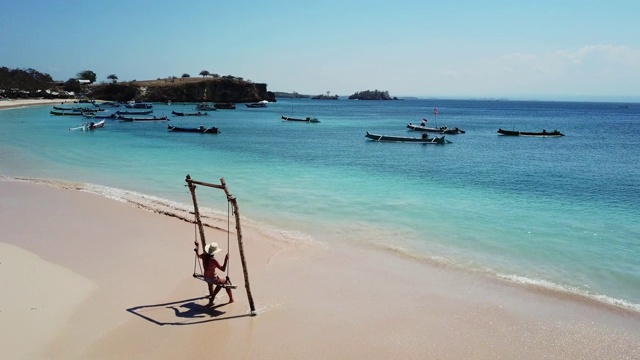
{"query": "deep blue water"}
(560, 212)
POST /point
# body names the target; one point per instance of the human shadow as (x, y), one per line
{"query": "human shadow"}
(188, 310)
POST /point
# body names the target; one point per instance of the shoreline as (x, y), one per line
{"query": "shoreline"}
(15, 103)
(317, 299)
(213, 218)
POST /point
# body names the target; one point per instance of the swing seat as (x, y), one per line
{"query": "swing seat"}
(227, 285)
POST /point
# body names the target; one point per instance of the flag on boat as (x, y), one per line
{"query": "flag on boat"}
(435, 111)
(424, 120)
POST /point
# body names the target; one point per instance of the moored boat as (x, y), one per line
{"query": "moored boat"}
(90, 126)
(307, 119)
(65, 113)
(140, 105)
(142, 118)
(96, 116)
(543, 133)
(201, 129)
(181, 113)
(424, 139)
(440, 130)
(259, 104)
(134, 112)
(205, 107)
(226, 106)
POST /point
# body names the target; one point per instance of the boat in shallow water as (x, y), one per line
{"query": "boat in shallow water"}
(307, 119)
(90, 126)
(201, 129)
(182, 113)
(543, 133)
(424, 139)
(440, 130)
(143, 118)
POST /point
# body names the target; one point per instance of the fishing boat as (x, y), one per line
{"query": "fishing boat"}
(66, 113)
(543, 133)
(424, 139)
(96, 116)
(90, 126)
(63, 108)
(260, 104)
(205, 107)
(440, 130)
(201, 129)
(307, 119)
(134, 112)
(226, 106)
(136, 105)
(181, 113)
(142, 118)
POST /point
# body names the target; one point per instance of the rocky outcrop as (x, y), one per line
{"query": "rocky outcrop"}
(206, 90)
(372, 95)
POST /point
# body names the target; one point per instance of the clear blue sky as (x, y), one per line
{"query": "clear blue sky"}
(475, 48)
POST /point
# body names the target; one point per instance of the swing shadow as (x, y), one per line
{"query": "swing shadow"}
(188, 309)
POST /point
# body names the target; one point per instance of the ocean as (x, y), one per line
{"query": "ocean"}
(562, 213)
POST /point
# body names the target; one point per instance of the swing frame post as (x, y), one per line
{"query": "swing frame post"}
(196, 210)
(236, 210)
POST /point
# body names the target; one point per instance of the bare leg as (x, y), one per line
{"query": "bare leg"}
(212, 294)
(230, 295)
(215, 292)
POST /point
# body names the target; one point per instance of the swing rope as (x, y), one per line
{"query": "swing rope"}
(200, 274)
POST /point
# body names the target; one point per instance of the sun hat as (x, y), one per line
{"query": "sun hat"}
(212, 248)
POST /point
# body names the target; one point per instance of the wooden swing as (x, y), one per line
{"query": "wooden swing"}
(198, 272)
(231, 201)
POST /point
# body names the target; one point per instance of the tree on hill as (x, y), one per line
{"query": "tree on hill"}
(87, 75)
(29, 79)
(185, 75)
(205, 73)
(72, 85)
(113, 78)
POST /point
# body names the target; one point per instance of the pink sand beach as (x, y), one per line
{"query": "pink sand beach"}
(86, 277)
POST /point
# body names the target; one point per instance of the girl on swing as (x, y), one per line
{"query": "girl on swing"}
(210, 264)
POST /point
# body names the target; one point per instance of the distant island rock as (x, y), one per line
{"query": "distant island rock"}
(325, 97)
(290, 95)
(372, 95)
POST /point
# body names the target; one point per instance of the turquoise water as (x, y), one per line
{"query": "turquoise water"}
(557, 212)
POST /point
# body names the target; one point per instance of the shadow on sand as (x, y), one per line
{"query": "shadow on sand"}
(182, 312)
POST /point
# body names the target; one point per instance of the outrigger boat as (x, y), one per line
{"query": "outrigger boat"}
(135, 118)
(227, 106)
(205, 107)
(89, 126)
(544, 133)
(134, 112)
(96, 116)
(67, 113)
(440, 130)
(307, 119)
(259, 104)
(424, 139)
(201, 129)
(180, 113)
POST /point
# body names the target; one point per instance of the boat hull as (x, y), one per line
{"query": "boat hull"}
(421, 140)
(180, 113)
(307, 119)
(133, 118)
(544, 133)
(201, 130)
(440, 130)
